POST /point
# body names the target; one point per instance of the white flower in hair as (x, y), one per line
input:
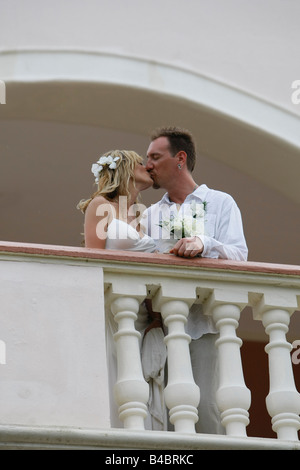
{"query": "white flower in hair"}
(96, 168)
(103, 161)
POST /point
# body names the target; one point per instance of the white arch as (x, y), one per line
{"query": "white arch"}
(242, 130)
(29, 66)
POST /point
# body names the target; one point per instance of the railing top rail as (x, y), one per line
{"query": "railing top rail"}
(34, 249)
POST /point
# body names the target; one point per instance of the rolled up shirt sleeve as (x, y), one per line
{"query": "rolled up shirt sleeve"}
(228, 241)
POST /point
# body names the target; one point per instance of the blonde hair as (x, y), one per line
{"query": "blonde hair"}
(114, 182)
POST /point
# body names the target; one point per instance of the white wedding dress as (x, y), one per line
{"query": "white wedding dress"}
(122, 236)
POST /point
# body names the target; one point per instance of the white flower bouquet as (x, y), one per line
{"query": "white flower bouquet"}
(187, 224)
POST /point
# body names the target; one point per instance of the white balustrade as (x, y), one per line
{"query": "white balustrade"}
(182, 395)
(233, 397)
(283, 400)
(174, 285)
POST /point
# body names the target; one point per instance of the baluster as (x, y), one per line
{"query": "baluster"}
(182, 395)
(283, 400)
(275, 308)
(131, 390)
(233, 397)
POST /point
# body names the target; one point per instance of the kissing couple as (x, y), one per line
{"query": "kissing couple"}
(191, 220)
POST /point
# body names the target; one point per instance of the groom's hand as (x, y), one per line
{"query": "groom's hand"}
(188, 247)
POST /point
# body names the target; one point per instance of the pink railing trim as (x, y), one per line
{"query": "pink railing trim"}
(141, 257)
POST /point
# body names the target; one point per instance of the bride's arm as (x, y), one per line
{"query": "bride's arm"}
(97, 217)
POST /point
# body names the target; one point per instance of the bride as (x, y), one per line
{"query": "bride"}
(110, 213)
(111, 222)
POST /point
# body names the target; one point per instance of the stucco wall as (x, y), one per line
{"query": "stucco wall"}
(52, 324)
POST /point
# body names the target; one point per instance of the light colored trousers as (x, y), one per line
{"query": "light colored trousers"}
(204, 358)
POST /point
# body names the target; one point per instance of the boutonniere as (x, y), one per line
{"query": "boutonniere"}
(187, 223)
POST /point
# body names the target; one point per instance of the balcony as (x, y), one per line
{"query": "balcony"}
(55, 391)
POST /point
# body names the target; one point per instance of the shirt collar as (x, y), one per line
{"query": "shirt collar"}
(199, 193)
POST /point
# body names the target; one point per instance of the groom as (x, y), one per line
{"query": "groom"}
(170, 162)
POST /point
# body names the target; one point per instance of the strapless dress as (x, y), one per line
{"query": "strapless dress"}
(122, 236)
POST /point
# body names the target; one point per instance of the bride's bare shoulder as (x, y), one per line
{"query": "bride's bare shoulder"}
(100, 201)
(100, 208)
